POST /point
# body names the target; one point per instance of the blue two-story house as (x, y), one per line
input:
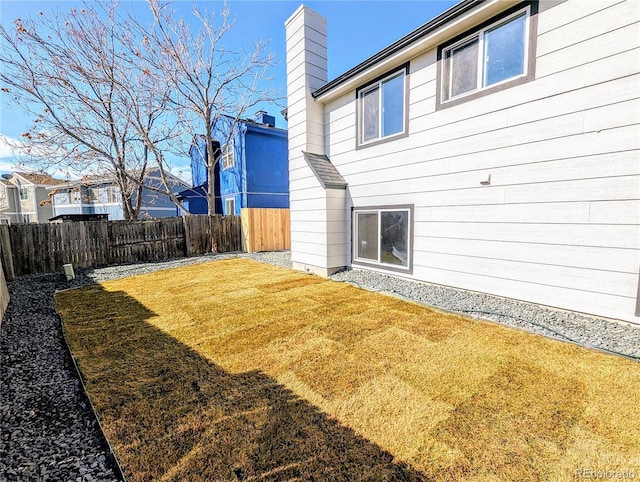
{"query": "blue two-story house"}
(252, 171)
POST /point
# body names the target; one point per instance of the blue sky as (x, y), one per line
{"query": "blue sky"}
(356, 30)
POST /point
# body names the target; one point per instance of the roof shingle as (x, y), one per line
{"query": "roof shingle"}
(325, 171)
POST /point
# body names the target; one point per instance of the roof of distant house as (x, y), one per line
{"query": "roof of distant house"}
(109, 178)
(40, 178)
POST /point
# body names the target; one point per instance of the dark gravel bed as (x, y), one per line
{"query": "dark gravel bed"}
(48, 430)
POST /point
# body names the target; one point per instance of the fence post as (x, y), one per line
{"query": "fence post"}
(214, 232)
(188, 243)
(245, 215)
(7, 253)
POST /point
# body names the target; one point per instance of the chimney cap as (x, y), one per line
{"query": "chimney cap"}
(263, 118)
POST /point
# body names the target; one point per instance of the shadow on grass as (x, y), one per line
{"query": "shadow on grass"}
(173, 415)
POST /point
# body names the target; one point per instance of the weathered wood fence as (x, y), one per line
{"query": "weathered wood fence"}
(265, 229)
(41, 248)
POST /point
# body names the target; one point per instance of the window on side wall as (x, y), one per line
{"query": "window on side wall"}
(382, 237)
(24, 194)
(228, 155)
(495, 55)
(230, 206)
(382, 107)
(76, 196)
(112, 196)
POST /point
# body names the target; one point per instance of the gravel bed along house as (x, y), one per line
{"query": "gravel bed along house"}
(609, 335)
(47, 428)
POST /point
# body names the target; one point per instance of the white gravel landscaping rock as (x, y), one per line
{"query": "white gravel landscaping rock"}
(47, 428)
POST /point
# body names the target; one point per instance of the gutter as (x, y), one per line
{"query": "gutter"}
(429, 27)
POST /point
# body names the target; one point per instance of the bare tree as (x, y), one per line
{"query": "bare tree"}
(94, 109)
(209, 82)
(110, 95)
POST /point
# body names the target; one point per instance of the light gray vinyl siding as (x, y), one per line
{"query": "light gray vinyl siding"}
(558, 224)
(318, 226)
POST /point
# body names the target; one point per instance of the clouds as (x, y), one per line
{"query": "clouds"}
(6, 149)
(7, 154)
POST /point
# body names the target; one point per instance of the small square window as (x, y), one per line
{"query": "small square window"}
(494, 54)
(383, 237)
(112, 195)
(76, 196)
(382, 108)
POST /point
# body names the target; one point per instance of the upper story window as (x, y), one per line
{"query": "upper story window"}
(24, 194)
(112, 194)
(496, 54)
(228, 155)
(382, 107)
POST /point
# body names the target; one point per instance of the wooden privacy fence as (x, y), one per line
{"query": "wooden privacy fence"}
(265, 229)
(41, 248)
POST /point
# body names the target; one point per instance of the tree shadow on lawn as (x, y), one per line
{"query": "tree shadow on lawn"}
(173, 415)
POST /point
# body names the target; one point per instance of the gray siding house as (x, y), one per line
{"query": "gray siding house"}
(24, 197)
(101, 195)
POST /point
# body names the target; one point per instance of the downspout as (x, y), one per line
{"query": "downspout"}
(35, 203)
(18, 206)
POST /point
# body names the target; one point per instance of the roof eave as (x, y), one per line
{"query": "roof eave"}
(398, 52)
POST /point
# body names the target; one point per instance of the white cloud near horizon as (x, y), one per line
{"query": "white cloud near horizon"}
(6, 149)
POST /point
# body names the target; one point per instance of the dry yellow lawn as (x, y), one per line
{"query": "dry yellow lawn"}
(237, 370)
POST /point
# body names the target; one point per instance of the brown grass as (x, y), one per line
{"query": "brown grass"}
(236, 370)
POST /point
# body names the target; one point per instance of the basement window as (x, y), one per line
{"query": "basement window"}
(382, 237)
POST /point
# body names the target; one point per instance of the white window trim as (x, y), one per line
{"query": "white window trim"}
(446, 89)
(22, 189)
(228, 154)
(111, 195)
(378, 84)
(227, 202)
(378, 262)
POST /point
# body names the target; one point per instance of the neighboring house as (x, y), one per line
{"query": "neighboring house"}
(101, 195)
(495, 148)
(252, 171)
(24, 197)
